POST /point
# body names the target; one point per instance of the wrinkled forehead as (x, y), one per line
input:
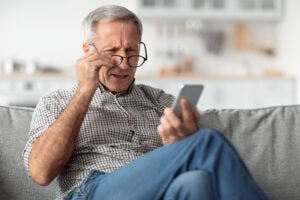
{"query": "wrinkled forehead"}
(125, 29)
(132, 25)
(120, 33)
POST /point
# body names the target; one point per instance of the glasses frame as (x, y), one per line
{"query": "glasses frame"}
(128, 57)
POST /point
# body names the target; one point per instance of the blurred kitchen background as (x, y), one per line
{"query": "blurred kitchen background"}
(244, 51)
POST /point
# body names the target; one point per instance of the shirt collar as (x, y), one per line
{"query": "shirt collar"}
(103, 89)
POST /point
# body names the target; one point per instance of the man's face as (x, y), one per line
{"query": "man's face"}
(117, 38)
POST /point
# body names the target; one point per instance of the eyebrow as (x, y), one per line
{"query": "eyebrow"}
(105, 48)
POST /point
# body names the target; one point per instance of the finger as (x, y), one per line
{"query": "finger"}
(96, 56)
(102, 63)
(187, 115)
(165, 124)
(106, 58)
(163, 132)
(86, 60)
(174, 121)
(196, 115)
(95, 60)
(166, 132)
(88, 55)
(160, 129)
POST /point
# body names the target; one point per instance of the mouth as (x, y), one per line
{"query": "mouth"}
(119, 76)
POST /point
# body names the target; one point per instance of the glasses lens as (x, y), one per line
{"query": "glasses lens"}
(132, 61)
(135, 61)
(116, 60)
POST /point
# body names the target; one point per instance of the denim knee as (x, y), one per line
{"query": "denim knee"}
(208, 134)
(191, 185)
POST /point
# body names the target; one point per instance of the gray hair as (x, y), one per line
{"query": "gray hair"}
(107, 14)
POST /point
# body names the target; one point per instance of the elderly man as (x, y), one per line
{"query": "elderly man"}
(109, 138)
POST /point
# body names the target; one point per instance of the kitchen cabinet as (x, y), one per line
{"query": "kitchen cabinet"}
(210, 9)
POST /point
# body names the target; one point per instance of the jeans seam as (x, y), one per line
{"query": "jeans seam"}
(81, 190)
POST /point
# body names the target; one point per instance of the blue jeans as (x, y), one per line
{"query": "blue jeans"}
(203, 165)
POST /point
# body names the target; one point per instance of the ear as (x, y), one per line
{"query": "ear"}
(85, 47)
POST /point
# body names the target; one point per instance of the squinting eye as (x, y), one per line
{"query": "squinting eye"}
(133, 51)
(110, 50)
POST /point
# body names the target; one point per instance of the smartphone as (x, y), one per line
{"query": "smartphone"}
(191, 92)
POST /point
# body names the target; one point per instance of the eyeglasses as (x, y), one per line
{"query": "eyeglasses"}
(133, 61)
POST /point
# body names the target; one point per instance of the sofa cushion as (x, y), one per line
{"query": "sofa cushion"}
(268, 140)
(15, 184)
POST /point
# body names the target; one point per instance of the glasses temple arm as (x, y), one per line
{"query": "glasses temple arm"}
(145, 50)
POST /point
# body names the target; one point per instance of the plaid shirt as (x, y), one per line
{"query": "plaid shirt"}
(117, 129)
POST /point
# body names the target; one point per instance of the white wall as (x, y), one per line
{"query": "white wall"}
(289, 40)
(48, 32)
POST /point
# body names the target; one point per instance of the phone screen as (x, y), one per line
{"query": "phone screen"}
(192, 93)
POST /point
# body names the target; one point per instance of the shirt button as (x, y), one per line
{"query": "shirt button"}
(131, 127)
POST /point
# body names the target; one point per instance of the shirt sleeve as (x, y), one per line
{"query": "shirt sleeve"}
(165, 100)
(45, 113)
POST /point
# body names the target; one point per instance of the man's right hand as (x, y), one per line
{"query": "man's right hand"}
(87, 69)
(52, 150)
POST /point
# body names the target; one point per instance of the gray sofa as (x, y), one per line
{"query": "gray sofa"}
(267, 139)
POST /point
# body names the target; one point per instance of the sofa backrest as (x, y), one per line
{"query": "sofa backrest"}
(267, 139)
(14, 181)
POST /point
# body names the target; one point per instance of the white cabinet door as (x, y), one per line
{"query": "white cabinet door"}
(210, 9)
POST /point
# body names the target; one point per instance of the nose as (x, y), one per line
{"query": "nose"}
(124, 63)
